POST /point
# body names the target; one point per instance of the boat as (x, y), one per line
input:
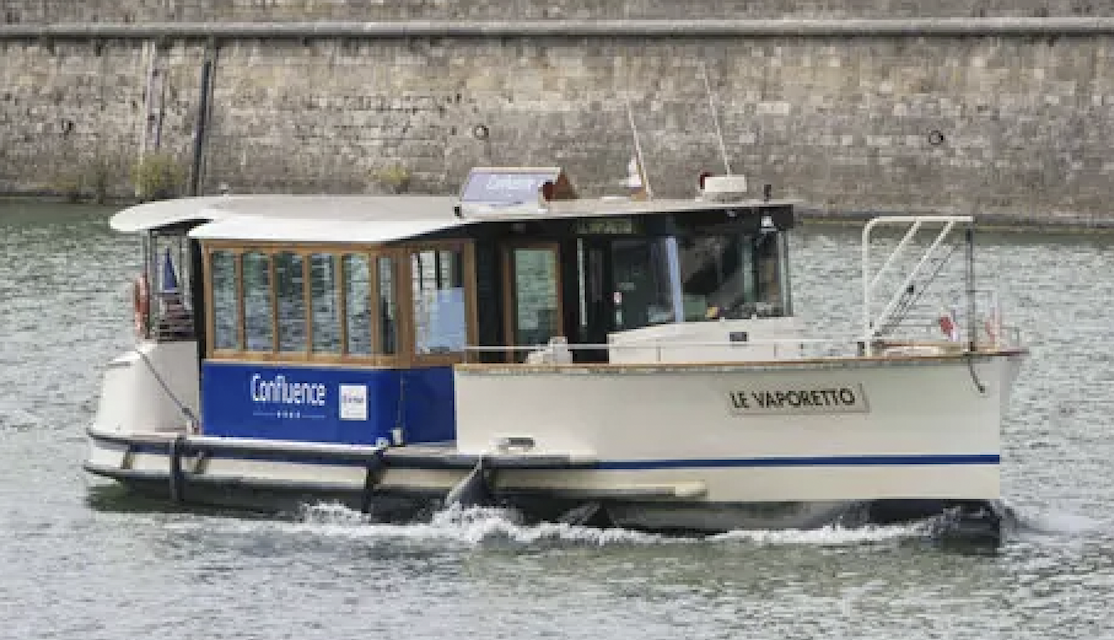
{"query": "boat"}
(616, 361)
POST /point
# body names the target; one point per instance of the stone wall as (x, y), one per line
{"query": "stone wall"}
(47, 11)
(995, 123)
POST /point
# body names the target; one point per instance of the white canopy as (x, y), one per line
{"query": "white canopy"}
(311, 218)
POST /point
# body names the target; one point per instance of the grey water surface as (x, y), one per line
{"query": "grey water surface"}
(80, 561)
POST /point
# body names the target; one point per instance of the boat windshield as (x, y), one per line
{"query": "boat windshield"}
(697, 278)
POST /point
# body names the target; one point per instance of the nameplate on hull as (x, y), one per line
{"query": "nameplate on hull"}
(784, 400)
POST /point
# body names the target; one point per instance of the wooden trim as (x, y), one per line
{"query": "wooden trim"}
(509, 300)
(471, 303)
(239, 357)
(319, 247)
(207, 294)
(404, 330)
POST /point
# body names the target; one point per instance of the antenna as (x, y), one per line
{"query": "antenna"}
(638, 153)
(715, 117)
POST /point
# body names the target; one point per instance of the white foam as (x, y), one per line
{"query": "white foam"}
(826, 536)
(477, 525)
(471, 526)
(1054, 523)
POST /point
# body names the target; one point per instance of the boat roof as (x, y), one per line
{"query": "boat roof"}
(379, 218)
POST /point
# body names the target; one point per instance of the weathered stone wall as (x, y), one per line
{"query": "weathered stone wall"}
(46, 11)
(1004, 123)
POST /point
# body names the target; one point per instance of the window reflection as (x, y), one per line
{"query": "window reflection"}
(643, 293)
(439, 318)
(716, 276)
(258, 319)
(290, 297)
(325, 305)
(388, 325)
(732, 276)
(226, 304)
(357, 297)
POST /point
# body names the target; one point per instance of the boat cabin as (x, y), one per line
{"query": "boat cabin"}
(339, 318)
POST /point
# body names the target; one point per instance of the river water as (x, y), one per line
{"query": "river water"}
(81, 561)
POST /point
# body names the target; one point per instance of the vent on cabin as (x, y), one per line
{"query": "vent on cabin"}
(722, 188)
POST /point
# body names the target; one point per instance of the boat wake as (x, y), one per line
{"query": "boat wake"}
(1032, 523)
(481, 526)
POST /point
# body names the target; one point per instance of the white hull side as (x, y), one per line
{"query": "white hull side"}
(676, 423)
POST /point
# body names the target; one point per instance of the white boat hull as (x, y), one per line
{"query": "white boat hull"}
(933, 445)
(906, 427)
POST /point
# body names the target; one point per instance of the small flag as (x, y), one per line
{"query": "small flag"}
(949, 325)
(169, 277)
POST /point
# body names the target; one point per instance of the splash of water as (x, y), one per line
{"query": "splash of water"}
(480, 525)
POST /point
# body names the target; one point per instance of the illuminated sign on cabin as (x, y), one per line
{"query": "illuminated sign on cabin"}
(515, 185)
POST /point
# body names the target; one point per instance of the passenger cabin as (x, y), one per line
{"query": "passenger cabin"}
(339, 318)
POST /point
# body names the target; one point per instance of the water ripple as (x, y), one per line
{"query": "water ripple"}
(81, 562)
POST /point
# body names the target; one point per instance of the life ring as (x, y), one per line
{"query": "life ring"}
(141, 304)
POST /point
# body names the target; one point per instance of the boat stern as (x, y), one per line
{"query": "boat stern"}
(151, 388)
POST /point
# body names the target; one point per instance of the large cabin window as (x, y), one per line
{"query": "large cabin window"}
(356, 280)
(291, 301)
(258, 310)
(382, 306)
(440, 321)
(305, 304)
(691, 278)
(388, 307)
(226, 301)
(324, 303)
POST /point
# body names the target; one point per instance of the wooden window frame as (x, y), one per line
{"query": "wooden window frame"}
(402, 285)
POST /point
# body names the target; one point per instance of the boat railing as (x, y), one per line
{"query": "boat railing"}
(893, 291)
(671, 351)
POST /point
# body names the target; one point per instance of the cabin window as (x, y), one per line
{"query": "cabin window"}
(314, 304)
(388, 308)
(226, 302)
(730, 276)
(437, 278)
(643, 289)
(324, 303)
(258, 310)
(290, 301)
(356, 269)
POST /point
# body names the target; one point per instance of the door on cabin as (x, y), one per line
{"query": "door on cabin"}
(533, 291)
